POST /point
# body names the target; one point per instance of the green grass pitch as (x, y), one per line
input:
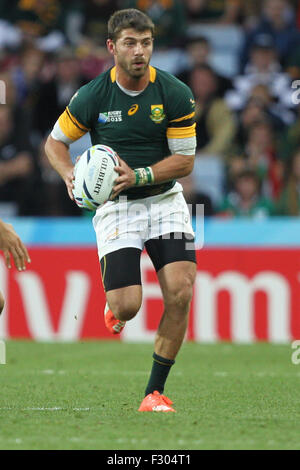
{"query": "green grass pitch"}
(85, 396)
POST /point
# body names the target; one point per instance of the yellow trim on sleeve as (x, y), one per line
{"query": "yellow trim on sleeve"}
(183, 118)
(70, 126)
(76, 122)
(181, 132)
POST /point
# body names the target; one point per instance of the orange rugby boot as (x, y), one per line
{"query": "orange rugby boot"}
(113, 325)
(156, 402)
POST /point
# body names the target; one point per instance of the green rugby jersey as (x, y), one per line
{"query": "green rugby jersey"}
(137, 128)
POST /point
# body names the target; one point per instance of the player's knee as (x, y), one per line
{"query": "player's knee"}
(180, 295)
(2, 302)
(125, 311)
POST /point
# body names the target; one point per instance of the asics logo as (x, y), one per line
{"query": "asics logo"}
(133, 109)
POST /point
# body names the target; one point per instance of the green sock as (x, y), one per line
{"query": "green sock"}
(159, 373)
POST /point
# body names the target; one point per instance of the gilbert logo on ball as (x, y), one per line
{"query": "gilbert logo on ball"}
(94, 176)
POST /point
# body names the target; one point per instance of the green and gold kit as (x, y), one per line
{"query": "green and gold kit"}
(138, 128)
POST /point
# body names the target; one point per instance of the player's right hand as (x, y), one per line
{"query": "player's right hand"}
(69, 180)
(11, 244)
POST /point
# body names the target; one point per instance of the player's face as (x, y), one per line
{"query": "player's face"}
(133, 51)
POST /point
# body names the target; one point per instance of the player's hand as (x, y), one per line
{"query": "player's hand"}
(125, 180)
(11, 244)
(69, 180)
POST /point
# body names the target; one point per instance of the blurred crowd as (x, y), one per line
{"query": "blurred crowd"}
(241, 59)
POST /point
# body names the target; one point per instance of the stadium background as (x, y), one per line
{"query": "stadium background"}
(242, 60)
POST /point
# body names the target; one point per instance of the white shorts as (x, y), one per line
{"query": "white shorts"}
(130, 223)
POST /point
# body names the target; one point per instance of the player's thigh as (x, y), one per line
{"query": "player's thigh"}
(174, 259)
(121, 276)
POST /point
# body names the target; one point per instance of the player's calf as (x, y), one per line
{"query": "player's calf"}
(176, 280)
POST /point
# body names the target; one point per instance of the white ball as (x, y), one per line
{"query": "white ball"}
(94, 175)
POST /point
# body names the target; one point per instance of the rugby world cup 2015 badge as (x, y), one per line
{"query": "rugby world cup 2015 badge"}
(157, 113)
(110, 116)
(103, 117)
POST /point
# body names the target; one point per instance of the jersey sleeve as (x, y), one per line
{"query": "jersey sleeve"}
(181, 130)
(76, 120)
(181, 114)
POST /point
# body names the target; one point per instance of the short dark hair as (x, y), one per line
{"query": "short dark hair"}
(129, 18)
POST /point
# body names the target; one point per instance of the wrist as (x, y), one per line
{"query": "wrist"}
(143, 176)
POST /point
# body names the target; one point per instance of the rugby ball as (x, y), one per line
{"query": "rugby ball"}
(95, 174)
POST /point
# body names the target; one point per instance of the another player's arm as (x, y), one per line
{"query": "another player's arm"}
(11, 244)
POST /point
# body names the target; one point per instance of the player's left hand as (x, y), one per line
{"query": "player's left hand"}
(125, 180)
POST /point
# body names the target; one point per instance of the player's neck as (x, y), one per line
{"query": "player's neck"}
(131, 83)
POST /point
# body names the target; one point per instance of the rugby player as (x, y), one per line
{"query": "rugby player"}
(11, 245)
(147, 116)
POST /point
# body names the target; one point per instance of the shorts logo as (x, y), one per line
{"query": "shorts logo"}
(113, 236)
(134, 108)
(110, 116)
(157, 113)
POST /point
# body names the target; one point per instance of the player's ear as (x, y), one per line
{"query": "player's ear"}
(110, 46)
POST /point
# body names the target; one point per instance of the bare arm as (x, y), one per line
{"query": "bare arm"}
(172, 167)
(11, 244)
(59, 158)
